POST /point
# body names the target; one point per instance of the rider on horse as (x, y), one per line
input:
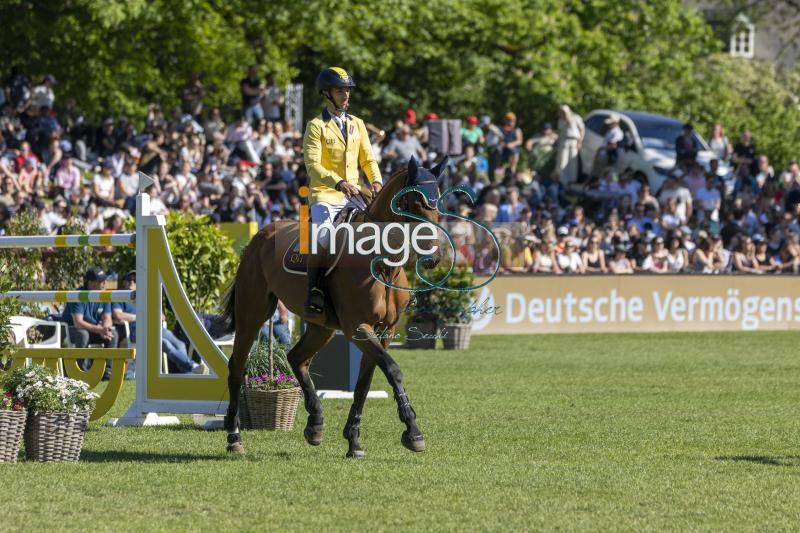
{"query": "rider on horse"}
(334, 145)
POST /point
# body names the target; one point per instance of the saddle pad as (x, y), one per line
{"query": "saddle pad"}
(296, 263)
(293, 260)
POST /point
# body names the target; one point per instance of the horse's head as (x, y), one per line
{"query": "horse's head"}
(414, 191)
(422, 200)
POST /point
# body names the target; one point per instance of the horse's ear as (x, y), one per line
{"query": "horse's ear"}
(413, 168)
(438, 169)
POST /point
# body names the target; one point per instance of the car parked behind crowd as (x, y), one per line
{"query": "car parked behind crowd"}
(648, 148)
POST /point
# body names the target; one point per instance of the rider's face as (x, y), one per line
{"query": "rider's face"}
(341, 95)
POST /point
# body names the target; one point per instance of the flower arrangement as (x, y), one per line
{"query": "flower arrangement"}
(9, 403)
(12, 423)
(277, 382)
(38, 389)
(271, 391)
(265, 372)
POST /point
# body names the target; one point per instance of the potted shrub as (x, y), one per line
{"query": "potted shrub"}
(12, 425)
(58, 412)
(453, 309)
(271, 392)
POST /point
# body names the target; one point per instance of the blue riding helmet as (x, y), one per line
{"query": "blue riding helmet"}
(334, 77)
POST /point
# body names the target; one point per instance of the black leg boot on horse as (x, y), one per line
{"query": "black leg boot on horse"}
(412, 437)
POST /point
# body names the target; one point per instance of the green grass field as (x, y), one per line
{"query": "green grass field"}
(588, 432)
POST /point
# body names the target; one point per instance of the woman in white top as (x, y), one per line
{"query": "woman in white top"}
(704, 258)
(103, 185)
(263, 139)
(95, 223)
(545, 259)
(719, 143)
(677, 258)
(569, 260)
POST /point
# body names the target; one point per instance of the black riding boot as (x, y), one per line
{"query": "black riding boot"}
(315, 302)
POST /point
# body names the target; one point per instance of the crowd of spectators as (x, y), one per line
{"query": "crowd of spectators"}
(248, 166)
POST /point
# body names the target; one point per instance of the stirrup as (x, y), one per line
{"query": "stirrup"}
(313, 307)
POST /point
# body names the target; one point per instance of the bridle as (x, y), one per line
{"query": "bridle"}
(404, 204)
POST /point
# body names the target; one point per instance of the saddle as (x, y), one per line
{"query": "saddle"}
(296, 263)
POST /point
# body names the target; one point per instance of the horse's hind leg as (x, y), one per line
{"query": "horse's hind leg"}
(251, 313)
(300, 357)
(367, 342)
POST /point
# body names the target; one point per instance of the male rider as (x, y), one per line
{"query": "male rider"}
(334, 145)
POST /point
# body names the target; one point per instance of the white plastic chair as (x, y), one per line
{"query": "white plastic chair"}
(20, 325)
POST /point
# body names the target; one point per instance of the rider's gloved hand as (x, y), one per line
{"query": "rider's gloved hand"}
(348, 189)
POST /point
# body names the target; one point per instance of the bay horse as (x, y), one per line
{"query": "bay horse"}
(356, 303)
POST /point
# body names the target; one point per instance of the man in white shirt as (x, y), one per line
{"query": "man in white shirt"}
(684, 198)
(55, 216)
(709, 199)
(608, 153)
(568, 260)
(43, 95)
(570, 136)
(612, 138)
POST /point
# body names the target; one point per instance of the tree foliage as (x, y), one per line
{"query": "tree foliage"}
(455, 57)
(204, 258)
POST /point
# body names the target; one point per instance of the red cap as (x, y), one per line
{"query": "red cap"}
(472, 119)
(430, 115)
(411, 117)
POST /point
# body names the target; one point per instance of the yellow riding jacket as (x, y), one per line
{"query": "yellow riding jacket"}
(329, 159)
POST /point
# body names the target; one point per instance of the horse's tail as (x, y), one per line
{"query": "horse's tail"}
(228, 314)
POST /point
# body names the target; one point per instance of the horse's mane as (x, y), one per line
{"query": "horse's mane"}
(389, 189)
(393, 180)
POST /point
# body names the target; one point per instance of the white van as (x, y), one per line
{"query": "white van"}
(648, 148)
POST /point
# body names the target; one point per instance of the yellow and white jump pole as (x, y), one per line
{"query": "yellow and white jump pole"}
(156, 392)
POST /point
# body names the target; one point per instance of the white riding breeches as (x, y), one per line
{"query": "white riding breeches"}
(323, 212)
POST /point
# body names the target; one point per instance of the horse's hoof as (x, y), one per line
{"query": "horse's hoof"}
(415, 444)
(236, 448)
(355, 454)
(313, 437)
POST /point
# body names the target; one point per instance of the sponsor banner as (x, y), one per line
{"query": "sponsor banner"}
(569, 304)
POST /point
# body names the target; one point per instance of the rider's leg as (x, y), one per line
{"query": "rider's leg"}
(317, 262)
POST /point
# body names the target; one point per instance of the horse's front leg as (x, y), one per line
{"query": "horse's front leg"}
(367, 341)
